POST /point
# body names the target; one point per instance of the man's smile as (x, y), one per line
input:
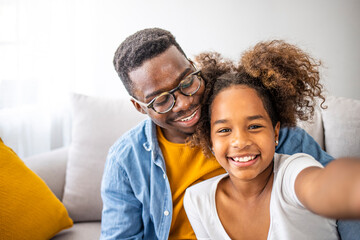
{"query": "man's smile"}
(190, 119)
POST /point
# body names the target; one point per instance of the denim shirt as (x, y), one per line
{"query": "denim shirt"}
(137, 201)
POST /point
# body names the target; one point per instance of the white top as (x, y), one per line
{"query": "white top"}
(288, 217)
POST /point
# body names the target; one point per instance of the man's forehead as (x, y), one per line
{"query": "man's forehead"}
(171, 57)
(157, 71)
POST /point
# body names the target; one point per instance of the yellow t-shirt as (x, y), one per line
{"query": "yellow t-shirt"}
(185, 166)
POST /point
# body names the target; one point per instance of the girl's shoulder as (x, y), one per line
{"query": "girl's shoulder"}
(205, 189)
(299, 160)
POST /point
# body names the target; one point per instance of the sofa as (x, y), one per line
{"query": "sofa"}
(74, 173)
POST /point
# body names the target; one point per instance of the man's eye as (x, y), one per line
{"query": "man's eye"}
(187, 82)
(162, 100)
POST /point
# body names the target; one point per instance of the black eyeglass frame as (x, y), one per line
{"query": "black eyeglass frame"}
(151, 103)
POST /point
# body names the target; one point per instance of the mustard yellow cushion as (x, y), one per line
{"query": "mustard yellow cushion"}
(28, 208)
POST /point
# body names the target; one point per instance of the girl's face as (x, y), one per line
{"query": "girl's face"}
(242, 135)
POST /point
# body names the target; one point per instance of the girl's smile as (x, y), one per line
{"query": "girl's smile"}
(243, 161)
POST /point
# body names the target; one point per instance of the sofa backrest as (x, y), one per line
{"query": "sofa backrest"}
(98, 122)
(337, 128)
(341, 121)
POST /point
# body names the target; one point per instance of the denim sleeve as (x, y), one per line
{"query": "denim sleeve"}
(297, 140)
(121, 215)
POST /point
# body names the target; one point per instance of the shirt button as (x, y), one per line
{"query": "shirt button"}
(164, 175)
(166, 213)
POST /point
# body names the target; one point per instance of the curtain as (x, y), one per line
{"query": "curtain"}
(48, 49)
(34, 85)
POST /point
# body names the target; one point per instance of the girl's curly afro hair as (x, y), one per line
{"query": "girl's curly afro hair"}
(285, 78)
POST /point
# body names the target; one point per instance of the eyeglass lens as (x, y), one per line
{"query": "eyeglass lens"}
(189, 86)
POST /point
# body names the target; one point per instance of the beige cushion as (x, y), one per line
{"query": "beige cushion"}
(97, 123)
(342, 127)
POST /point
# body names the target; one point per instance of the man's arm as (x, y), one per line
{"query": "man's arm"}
(121, 215)
(296, 140)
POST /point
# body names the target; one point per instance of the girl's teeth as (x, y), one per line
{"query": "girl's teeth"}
(243, 159)
(188, 118)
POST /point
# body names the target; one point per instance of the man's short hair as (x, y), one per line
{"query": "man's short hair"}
(139, 47)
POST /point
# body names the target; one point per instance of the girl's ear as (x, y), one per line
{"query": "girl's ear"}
(277, 130)
(137, 106)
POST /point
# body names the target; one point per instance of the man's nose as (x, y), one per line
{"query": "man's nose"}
(182, 102)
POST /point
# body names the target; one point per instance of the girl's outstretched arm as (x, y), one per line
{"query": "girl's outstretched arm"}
(333, 191)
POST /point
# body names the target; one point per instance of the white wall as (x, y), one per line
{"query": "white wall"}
(70, 43)
(51, 47)
(329, 29)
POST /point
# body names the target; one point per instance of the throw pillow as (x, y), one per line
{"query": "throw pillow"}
(28, 208)
(342, 127)
(96, 124)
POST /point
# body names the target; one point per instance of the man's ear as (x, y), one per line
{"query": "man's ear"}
(137, 106)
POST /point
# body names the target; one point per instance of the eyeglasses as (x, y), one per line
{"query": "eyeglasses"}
(164, 102)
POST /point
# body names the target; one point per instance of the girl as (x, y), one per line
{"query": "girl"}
(265, 195)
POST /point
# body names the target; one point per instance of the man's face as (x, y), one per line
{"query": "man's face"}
(163, 73)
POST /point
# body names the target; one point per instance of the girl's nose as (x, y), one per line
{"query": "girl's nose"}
(240, 140)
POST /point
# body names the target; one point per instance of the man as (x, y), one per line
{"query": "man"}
(150, 166)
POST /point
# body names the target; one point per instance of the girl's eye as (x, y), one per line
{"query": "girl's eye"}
(253, 127)
(224, 130)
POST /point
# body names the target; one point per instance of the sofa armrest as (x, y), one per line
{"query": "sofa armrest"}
(51, 167)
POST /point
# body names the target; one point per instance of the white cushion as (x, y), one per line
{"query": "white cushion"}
(342, 127)
(97, 123)
(314, 127)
